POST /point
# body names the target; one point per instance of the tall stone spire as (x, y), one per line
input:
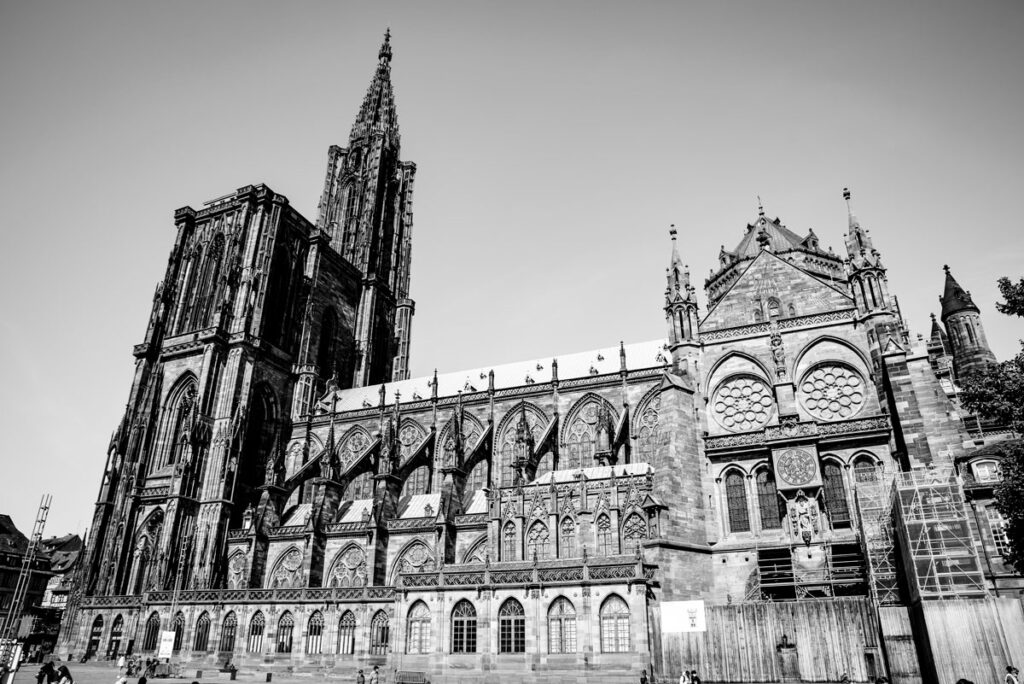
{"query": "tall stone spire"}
(366, 210)
(378, 112)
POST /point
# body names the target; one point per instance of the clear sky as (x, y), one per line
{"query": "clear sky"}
(555, 144)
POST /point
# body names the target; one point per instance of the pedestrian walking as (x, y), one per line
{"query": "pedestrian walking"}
(46, 674)
(360, 679)
(375, 675)
(64, 675)
(643, 676)
(121, 662)
(1011, 676)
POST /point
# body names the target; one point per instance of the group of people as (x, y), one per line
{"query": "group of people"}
(374, 677)
(688, 677)
(48, 674)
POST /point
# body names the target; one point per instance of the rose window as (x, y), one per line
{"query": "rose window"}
(743, 403)
(832, 392)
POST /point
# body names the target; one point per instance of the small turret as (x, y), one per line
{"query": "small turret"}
(680, 300)
(962, 319)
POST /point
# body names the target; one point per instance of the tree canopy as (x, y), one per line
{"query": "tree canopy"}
(997, 393)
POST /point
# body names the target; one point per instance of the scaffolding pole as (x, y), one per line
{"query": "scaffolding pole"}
(8, 630)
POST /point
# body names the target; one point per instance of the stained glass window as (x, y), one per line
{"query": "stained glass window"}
(256, 625)
(606, 545)
(508, 543)
(537, 542)
(736, 499)
(634, 531)
(769, 502)
(285, 630)
(835, 495)
(202, 639)
(380, 633)
(567, 540)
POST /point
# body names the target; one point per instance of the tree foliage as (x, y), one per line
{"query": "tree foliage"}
(1013, 293)
(997, 393)
(1008, 501)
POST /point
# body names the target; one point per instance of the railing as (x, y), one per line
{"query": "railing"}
(288, 531)
(292, 595)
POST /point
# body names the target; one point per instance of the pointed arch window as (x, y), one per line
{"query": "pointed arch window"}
(347, 633)
(581, 440)
(634, 532)
(95, 635)
(835, 495)
(758, 311)
(228, 630)
(177, 418)
(464, 627)
(769, 503)
(774, 308)
(202, 639)
(476, 481)
(327, 354)
(380, 633)
(188, 287)
(567, 540)
(735, 497)
(315, 633)
(285, 632)
(508, 542)
(507, 465)
(116, 634)
(561, 626)
(178, 625)
(864, 470)
(417, 482)
(614, 625)
(511, 627)
(204, 297)
(537, 542)
(256, 627)
(606, 543)
(360, 488)
(149, 642)
(418, 640)
(736, 500)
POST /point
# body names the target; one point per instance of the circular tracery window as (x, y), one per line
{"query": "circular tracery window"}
(742, 403)
(832, 391)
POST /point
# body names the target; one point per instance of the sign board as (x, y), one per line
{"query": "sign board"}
(683, 616)
(166, 644)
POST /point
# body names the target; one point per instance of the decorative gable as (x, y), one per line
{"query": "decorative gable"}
(771, 287)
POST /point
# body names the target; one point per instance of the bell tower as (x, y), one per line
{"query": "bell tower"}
(366, 210)
(962, 319)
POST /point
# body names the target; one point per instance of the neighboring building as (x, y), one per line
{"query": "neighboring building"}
(281, 494)
(40, 621)
(63, 553)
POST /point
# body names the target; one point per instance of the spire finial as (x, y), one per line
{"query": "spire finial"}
(385, 49)
(945, 267)
(672, 231)
(760, 207)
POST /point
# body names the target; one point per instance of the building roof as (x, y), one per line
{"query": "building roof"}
(11, 538)
(639, 355)
(780, 238)
(955, 298)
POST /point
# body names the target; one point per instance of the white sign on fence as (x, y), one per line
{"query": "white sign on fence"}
(683, 616)
(166, 644)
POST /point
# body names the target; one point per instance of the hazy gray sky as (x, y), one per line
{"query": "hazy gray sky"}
(555, 143)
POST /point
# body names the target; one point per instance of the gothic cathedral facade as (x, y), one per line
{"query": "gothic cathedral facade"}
(281, 494)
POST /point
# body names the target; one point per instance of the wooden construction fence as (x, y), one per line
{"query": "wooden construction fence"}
(974, 639)
(742, 642)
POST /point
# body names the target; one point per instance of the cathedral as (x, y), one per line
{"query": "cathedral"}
(755, 496)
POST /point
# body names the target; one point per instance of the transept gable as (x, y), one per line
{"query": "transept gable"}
(771, 287)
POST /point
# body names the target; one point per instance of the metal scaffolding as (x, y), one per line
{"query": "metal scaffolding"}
(776, 577)
(874, 504)
(936, 545)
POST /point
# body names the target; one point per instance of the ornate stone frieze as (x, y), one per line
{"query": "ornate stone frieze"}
(784, 324)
